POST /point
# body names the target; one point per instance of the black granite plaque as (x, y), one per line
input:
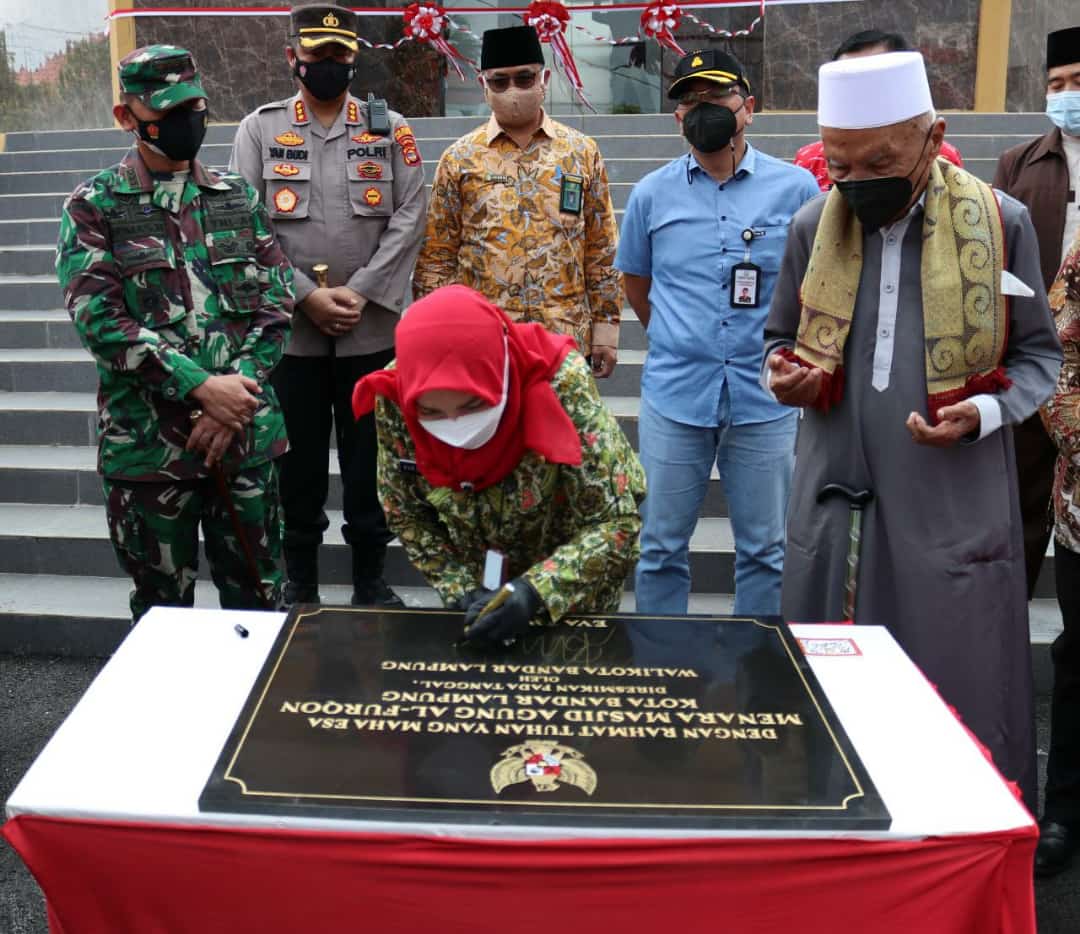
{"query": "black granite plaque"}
(614, 721)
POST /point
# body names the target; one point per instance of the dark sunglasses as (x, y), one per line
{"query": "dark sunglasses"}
(524, 81)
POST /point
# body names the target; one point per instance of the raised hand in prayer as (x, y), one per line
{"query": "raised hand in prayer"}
(955, 423)
(792, 384)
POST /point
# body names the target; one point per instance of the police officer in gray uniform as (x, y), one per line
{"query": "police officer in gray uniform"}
(344, 185)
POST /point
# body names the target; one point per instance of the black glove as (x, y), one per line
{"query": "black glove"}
(508, 621)
(474, 601)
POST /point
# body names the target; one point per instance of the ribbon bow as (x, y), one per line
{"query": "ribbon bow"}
(550, 18)
(659, 21)
(426, 22)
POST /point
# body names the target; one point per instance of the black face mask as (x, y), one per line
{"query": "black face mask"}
(876, 201)
(178, 135)
(327, 80)
(710, 127)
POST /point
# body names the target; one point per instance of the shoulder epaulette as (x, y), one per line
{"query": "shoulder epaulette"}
(273, 105)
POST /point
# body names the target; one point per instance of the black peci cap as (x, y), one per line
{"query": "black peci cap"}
(510, 47)
(1063, 47)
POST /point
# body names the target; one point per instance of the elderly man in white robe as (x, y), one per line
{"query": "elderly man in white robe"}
(910, 323)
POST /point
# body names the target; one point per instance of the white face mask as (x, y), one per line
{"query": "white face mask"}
(476, 429)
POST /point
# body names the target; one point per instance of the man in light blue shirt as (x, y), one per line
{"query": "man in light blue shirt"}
(700, 250)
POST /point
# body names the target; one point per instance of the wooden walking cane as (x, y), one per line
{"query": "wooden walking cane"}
(857, 500)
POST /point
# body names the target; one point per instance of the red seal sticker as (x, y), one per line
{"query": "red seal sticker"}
(286, 200)
(373, 197)
(289, 138)
(286, 169)
(371, 170)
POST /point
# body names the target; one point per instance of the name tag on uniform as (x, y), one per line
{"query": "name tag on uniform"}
(406, 466)
(571, 194)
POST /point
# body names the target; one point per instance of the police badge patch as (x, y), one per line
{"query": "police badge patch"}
(286, 200)
(370, 170)
(289, 138)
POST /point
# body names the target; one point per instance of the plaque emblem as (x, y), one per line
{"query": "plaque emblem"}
(373, 197)
(369, 170)
(286, 169)
(545, 765)
(286, 200)
(289, 138)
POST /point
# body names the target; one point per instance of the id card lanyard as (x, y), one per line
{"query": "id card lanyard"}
(746, 278)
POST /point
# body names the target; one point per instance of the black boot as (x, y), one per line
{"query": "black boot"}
(369, 587)
(1057, 843)
(302, 576)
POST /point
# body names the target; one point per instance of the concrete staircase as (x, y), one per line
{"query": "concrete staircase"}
(61, 589)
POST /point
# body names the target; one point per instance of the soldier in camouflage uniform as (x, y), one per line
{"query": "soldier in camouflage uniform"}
(178, 288)
(494, 446)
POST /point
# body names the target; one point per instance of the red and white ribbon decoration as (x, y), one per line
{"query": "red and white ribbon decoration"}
(659, 21)
(549, 18)
(425, 23)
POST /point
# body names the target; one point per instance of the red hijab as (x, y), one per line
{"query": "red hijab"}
(453, 339)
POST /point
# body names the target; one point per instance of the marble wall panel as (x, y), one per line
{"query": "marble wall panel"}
(243, 62)
(1031, 21)
(242, 59)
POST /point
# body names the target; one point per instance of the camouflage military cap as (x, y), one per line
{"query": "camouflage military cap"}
(161, 76)
(316, 24)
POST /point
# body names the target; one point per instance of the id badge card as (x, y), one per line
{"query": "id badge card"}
(571, 194)
(746, 286)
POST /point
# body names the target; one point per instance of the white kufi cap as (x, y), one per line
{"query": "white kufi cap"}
(872, 90)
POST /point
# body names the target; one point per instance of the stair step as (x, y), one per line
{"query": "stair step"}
(48, 614)
(72, 369)
(28, 259)
(47, 539)
(70, 418)
(66, 475)
(774, 122)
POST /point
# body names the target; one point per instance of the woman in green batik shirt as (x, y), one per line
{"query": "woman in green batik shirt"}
(495, 450)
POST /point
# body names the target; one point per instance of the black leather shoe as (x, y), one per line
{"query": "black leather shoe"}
(1055, 850)
(377, 593)
(299, 593)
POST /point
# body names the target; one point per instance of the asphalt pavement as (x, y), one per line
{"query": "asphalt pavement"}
(36, 694)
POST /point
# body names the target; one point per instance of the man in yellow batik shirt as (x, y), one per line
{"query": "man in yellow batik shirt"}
(520, 209)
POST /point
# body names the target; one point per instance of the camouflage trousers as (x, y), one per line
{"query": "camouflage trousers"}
(154, 529)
